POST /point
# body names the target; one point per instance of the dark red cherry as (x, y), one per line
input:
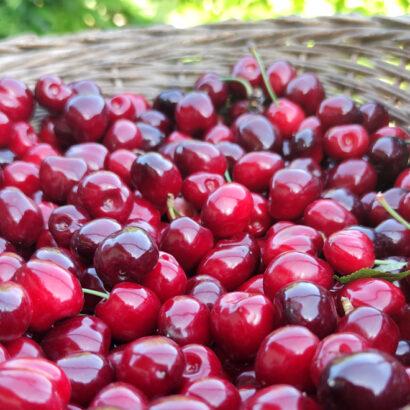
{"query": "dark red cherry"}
(24, 347)
(5, 129)
(77, 334)
(361, 380)
(375, 116)
(306, 304)
(22, 175)
(94, 154)
(23, 138)
(260, 219)
(195, 113)
(153, 364)
(247, 68)
(156, 177)
(21, 222)
(123, 134)
(167, 100)
(338, 110)
(404, 207)
(120, 106)
(393, 131)
(205, 288)
(16, 100)
(84, 87)
(88, 373)
(403, 180)
(219, 133)
(285, 356)
(87, 116)
(279, 74)
(52, 94)
(130, 311)
(238, 313)
(214, 87)
(156, 119)
(152, 137)
(394, 238)
(306, 143)
(375, 326)
(120, 162)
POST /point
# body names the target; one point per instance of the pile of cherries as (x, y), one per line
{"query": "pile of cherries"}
(195, 253)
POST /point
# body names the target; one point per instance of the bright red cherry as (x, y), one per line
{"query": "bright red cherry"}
(120, 106)
(139, 102)
(195, 113)
(179, 402)
(227, 210)
(285, 356)
(84, 87)
(291, 190)
(15, 311)
(130, 311)
(375, 326)
(10, 262)
(217, 392)
(39, 152)
(248, 68)
(123, 134)
(21, 222)
(348, 251)
(52, 94)
(22, 175)
(219, 133)
(16, 100)
(338, 110)
(153, 364)
(214, 87)
(294, 266)
(120, 162)
(280, 73)
(24, 347)
(231, 151)
(55, 292)
(87, 116)
(6, 129)
(205, 288)
(94, 154)
(23, 138)
(238, 313)
(119, 395)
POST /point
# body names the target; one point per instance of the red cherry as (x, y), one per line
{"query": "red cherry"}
(375, 116)
(205, 288)
(231, 151)
(6, 129)
(130, 311)
(24, 347)
(153, 364)
(23, 138)
(338, 110)
(139, 102)
(253, 285)
(84, 87)
(54, 291)
(22, 175)
(120, 162)
(219, 133)
(260, 219)
(237, 313)
(285, 356)
(39, 152)
(157, 119)
(293, 266)
(248, 68)
(348, 251)
(77, 334)
(121, 106)
(10, 262)
(16, 100)
(280, 73)
(214, 87)
(179, 402)
(95, 155)
(123, 134)
(52, 94)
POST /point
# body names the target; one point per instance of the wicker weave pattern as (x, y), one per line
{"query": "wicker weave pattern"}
(366, 58)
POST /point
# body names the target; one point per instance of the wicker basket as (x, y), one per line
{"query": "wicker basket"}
(366, 58)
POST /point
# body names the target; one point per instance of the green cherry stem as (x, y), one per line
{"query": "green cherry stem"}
(246, 84)
(173, 213)
(227, 176)
(380, 199)
(95, 293)
(382, 262)
(252, 49)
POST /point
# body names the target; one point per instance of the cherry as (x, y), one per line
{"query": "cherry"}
(306, 304)
(255, 169)
(87, 116)
(139, 102)
(333, 346)
(21, 222)
(144, 210)
(219, 133)
(120, 106)
(23, 138)
(217, 392)
(286, 116)
(130, 311)
(231, 151)
(279, 74)
(39, 152)
(22, 175)
(226, 217)
(206, 289)
(153, 364)
(403, 352)
(16, 100)
(214, 87)
(10, 262)
(156, 177)
(119, 395)
(393, 237)
(195, 113)
(254, 132)
(260, 219)
(366, 379)
(123, 134)
(375, 116)
(84, 87)
(182, 234)
(404, 207)
(77, 334)
(15, 311)
(95, 155)
(306, 143)
(167, 100)
(194, 156)
(253, 285)
(198, 186)
(152, 137)
(24, 347)
(392, 131)
(237, 313)
(157, 119)
(403, 180)
(179, 402)
(291, 190)
(5, 129)
(238, 108)
(52, 94)
(375, 326)
(65, 221)
(338, 110)
(328, 216)
(348, 251)
(120, 162)
(285, 356)
(90, 280)
(374, 292)
(58, 175)
(294, 266)
(247, 68)
(88, 373)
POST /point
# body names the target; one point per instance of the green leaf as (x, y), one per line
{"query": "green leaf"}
(371, 273)
(392, 265)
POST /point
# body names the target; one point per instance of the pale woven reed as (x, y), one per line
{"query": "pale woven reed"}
(368, 59)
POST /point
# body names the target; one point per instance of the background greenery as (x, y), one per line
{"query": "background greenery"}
(62, 16)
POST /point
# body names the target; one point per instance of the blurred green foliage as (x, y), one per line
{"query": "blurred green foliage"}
(62, 16)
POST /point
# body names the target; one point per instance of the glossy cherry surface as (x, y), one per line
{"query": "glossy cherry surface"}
(16, 100)
(216, 89)
(338, 110)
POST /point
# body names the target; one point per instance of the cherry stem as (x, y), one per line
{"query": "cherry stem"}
(173, 213)
(95, 293)
(227, 176)
(347, 305)
(380, 199)
(246, 84)
(252, 49)
(382, 262)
